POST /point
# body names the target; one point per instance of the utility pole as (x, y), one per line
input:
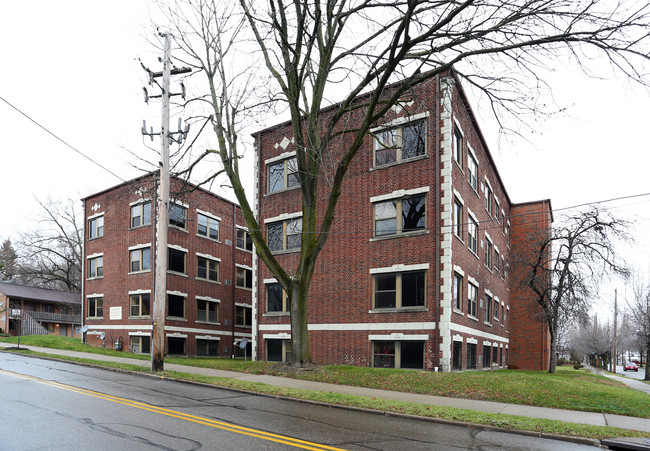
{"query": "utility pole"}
(162, 221)
(615, 322)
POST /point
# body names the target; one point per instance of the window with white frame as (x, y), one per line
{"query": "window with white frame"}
(96, 266)
(497, 209)
(207, 311)
(472, 234)
(243, 316)
(283, 174)
(140, 259)
(207, 268)
(401, 143)
(178, 216)
(95, 307)
(489, 198)
(401, 215)
(458, 146)
(398, 354)
(488, 308)
(278, 350)
(496, 309)
(472, 171)
(244, 241)
(458, 218)
(489, 252)
(177, 260)
(140, 344)
(458, 291)
(472, 299)
(207, 226)
(276, 298)
(175, 305)
(399, 290)
(96, 227)
(139, 304)
(140, 214)
(284, 235)
(244, 277)
(497, 260)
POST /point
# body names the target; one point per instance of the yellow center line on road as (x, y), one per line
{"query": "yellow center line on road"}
(180, 415)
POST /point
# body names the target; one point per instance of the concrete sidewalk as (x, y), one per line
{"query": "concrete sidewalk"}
(570, 416)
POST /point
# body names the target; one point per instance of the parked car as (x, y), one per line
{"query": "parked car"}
(631, 366)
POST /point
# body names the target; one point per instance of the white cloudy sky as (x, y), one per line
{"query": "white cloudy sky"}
(72, 66)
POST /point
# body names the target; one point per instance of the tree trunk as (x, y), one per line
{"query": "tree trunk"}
(552, 364)
(300, 353)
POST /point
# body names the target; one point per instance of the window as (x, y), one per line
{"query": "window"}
(456, 355)
(243, 316)
(495, 355)
(139, 305)
(140, 259)
(207, 269)
(207, 311)
(398, 354)
(177, 216)
(399, 290)
(278, 350)
(489, 198)
(285, 235)
(176, 345)
(471, 356)
(489, 252)
(472, 171)
(207, 348)
(497, 208)
(176, 261)
(413, 216)
(95, 307)
(96, 227)
(140, 215)
(497, 260)
(496, 309)
(96, 267)
(399, 144)
(175, 306)
(140, 344)
(472, 297)
(488, 308)
(244, 240)
(472, 234)
(458, 291)
(276, 298)
(208, 226)
(458, 147)
(244, 277)
(458, 218)
(283, 174)
(486, 356)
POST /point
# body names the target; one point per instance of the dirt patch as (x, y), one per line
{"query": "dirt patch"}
(288, 368)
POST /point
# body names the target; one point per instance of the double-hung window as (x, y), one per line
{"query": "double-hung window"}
(496, 309)
(283, 174)
(139, 304)
(284, 235)
(489, 198)
(243, 316)
(458, 146)
(244, 241)
(472, 170)
(489, 252)
(398, 354)
(208, 226)
(458, 291)
(207, 268)
(95, 307)
(399, 290)
(458, 218)
(207, 310)
(95, 266)
(178, 216)
(472, 298)
(400, 143)
(400, 212)
(140, 259)
(177, 260)
(244, 277)
(96, 227)
(176, 305)
(276, 298)
(488, 308)
(140, 214)
(472, 234)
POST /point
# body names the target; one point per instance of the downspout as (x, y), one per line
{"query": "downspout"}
(436, 307)
(234, 276)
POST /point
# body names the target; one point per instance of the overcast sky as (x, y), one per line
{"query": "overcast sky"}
(72, 66)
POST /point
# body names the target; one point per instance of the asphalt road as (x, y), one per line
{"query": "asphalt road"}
(59, 406)
(633, 374)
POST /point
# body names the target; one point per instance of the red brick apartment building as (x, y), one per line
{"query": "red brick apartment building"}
(415, 273)
(209, 277)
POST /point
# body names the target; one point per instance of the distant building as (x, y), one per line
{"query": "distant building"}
(38, 311)
(415, 273)
(209, 275)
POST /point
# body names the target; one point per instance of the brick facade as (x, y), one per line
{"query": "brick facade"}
(357, 314)
(204, 306)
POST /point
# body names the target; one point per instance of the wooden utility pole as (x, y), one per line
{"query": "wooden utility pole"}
(615, 322)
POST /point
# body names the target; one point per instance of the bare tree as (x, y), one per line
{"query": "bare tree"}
(568, 265)
(640, 307)
(361, 58)
(595, 340)
(51, 255)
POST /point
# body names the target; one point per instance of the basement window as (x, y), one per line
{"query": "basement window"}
(398, 354)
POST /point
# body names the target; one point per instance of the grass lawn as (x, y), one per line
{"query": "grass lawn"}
(567, 389)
